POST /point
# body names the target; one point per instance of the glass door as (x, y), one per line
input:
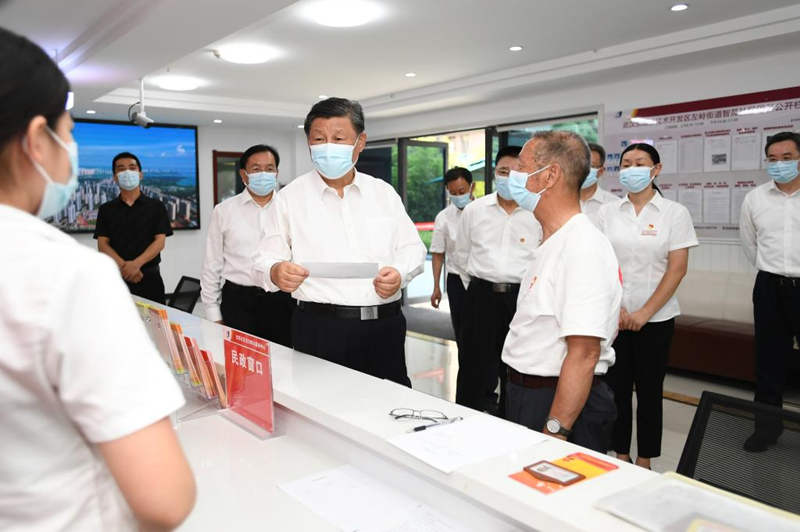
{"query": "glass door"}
(379, 159)
(227, 181)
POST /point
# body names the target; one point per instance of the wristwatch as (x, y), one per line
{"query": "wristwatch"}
(554, 426)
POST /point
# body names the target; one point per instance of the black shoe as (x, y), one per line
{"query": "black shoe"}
(758, 442)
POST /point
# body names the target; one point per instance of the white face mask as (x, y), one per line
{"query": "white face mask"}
(56, 195)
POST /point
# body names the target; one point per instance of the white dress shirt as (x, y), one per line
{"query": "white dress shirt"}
(591, 207)
(311, 223)
(642, 244)
(445, 236)
(572, 288)
(77, 368)
(237, 227)
(494, 245)
(769, 228)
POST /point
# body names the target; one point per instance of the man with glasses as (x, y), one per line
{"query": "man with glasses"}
(496, 240)
(770, 232)
(592, 196)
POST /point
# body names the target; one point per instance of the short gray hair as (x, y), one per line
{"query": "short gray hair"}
(566, 148)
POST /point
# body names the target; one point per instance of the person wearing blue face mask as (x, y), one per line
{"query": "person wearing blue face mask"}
(337, 215)
(459, 185)
(496, 240)
(132, 229)
(769, 228)
(237, 226)
(651, 236)
(592, 195)
(559, 342)
(87, 443)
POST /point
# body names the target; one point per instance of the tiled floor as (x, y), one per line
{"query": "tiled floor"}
(433, 365)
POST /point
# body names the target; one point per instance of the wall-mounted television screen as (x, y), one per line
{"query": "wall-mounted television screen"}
(169, 168)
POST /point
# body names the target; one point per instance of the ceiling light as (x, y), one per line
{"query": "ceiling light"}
(323, 97)
(676, 8)
(515, 48)
(411, 74)
(172, 82)
(642, 120)
(90, 111)
(217, 121)
(342, 13)
(756, 110)
(245, 53)
(300, 126)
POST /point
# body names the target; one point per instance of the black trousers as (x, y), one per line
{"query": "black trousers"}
(455, 296)
(264, 314)
(641, 360)
(375, 347)
(150, 287)
(592, 429)
(486, 318)
(776, 314)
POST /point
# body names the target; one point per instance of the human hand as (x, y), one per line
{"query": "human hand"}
(287, 276)
(388, 282)
(436, 297)
(130, 271)
(637, 320)
(623, 319)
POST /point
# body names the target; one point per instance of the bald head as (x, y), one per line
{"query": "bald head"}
(566, 149)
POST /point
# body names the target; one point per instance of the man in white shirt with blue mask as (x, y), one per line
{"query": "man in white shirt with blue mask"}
(237, 226)
(770, 232)
(496, 240)
(592, 196)
(346, 313)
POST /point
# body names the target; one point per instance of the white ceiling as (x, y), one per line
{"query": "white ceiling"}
(457, 48)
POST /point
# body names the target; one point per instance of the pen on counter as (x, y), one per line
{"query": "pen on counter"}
(445, 422)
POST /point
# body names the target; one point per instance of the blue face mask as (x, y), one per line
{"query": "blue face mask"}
(129, 179)
(262, 183)
(526, 199)
(782, 171)
(591, 179)
(635, 178)
(57, 195)
(333, 160)
(460, 201)
(501, 184)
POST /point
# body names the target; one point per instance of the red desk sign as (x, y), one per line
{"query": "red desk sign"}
(249, 378)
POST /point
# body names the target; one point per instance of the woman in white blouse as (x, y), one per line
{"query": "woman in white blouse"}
(651, 236)
(85, 438)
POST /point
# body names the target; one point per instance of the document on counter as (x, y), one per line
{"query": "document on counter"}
(342, 270)
(351, 500)
(477, 438)
(671, 503)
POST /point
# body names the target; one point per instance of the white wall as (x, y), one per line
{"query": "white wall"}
(185, 249)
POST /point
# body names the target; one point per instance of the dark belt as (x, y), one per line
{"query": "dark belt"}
(375, 312)
(150, 270)
(498, 288)
(230, 285)
(535, 381)
(783, 280)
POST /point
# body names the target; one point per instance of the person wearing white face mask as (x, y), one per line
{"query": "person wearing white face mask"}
(769, 228)
(86, 440)
(559, 343)
(132, 229)
(459, 185)
(237, 226)
(651, 236)
(336, 214)
(592, 196)
(496, 239)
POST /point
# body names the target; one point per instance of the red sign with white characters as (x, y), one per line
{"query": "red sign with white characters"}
(249, 378)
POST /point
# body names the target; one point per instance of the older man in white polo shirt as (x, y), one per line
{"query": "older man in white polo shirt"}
(569, 301)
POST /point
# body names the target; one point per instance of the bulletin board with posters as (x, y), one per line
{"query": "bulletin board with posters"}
(712, 151)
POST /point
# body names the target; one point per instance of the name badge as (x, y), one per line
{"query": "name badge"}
(369, 313)
(650, 230)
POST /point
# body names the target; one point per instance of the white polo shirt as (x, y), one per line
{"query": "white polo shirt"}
(445, 236)
(591, 207)
(494, 245)
(237, 227)
(642, 244)
(77, 368)
(572, 288)
(769, 228)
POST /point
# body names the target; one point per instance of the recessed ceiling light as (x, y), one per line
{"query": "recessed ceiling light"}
(245, 53)
(323, 97)
(172, 82)
(515, 48)
(90, 111)
(342, 13)
(411, 74)
(217, 121)
(679, 7)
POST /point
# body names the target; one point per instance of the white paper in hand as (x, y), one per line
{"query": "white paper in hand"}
(342, 270)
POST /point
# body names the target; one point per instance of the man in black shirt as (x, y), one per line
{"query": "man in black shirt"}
(132, 230)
